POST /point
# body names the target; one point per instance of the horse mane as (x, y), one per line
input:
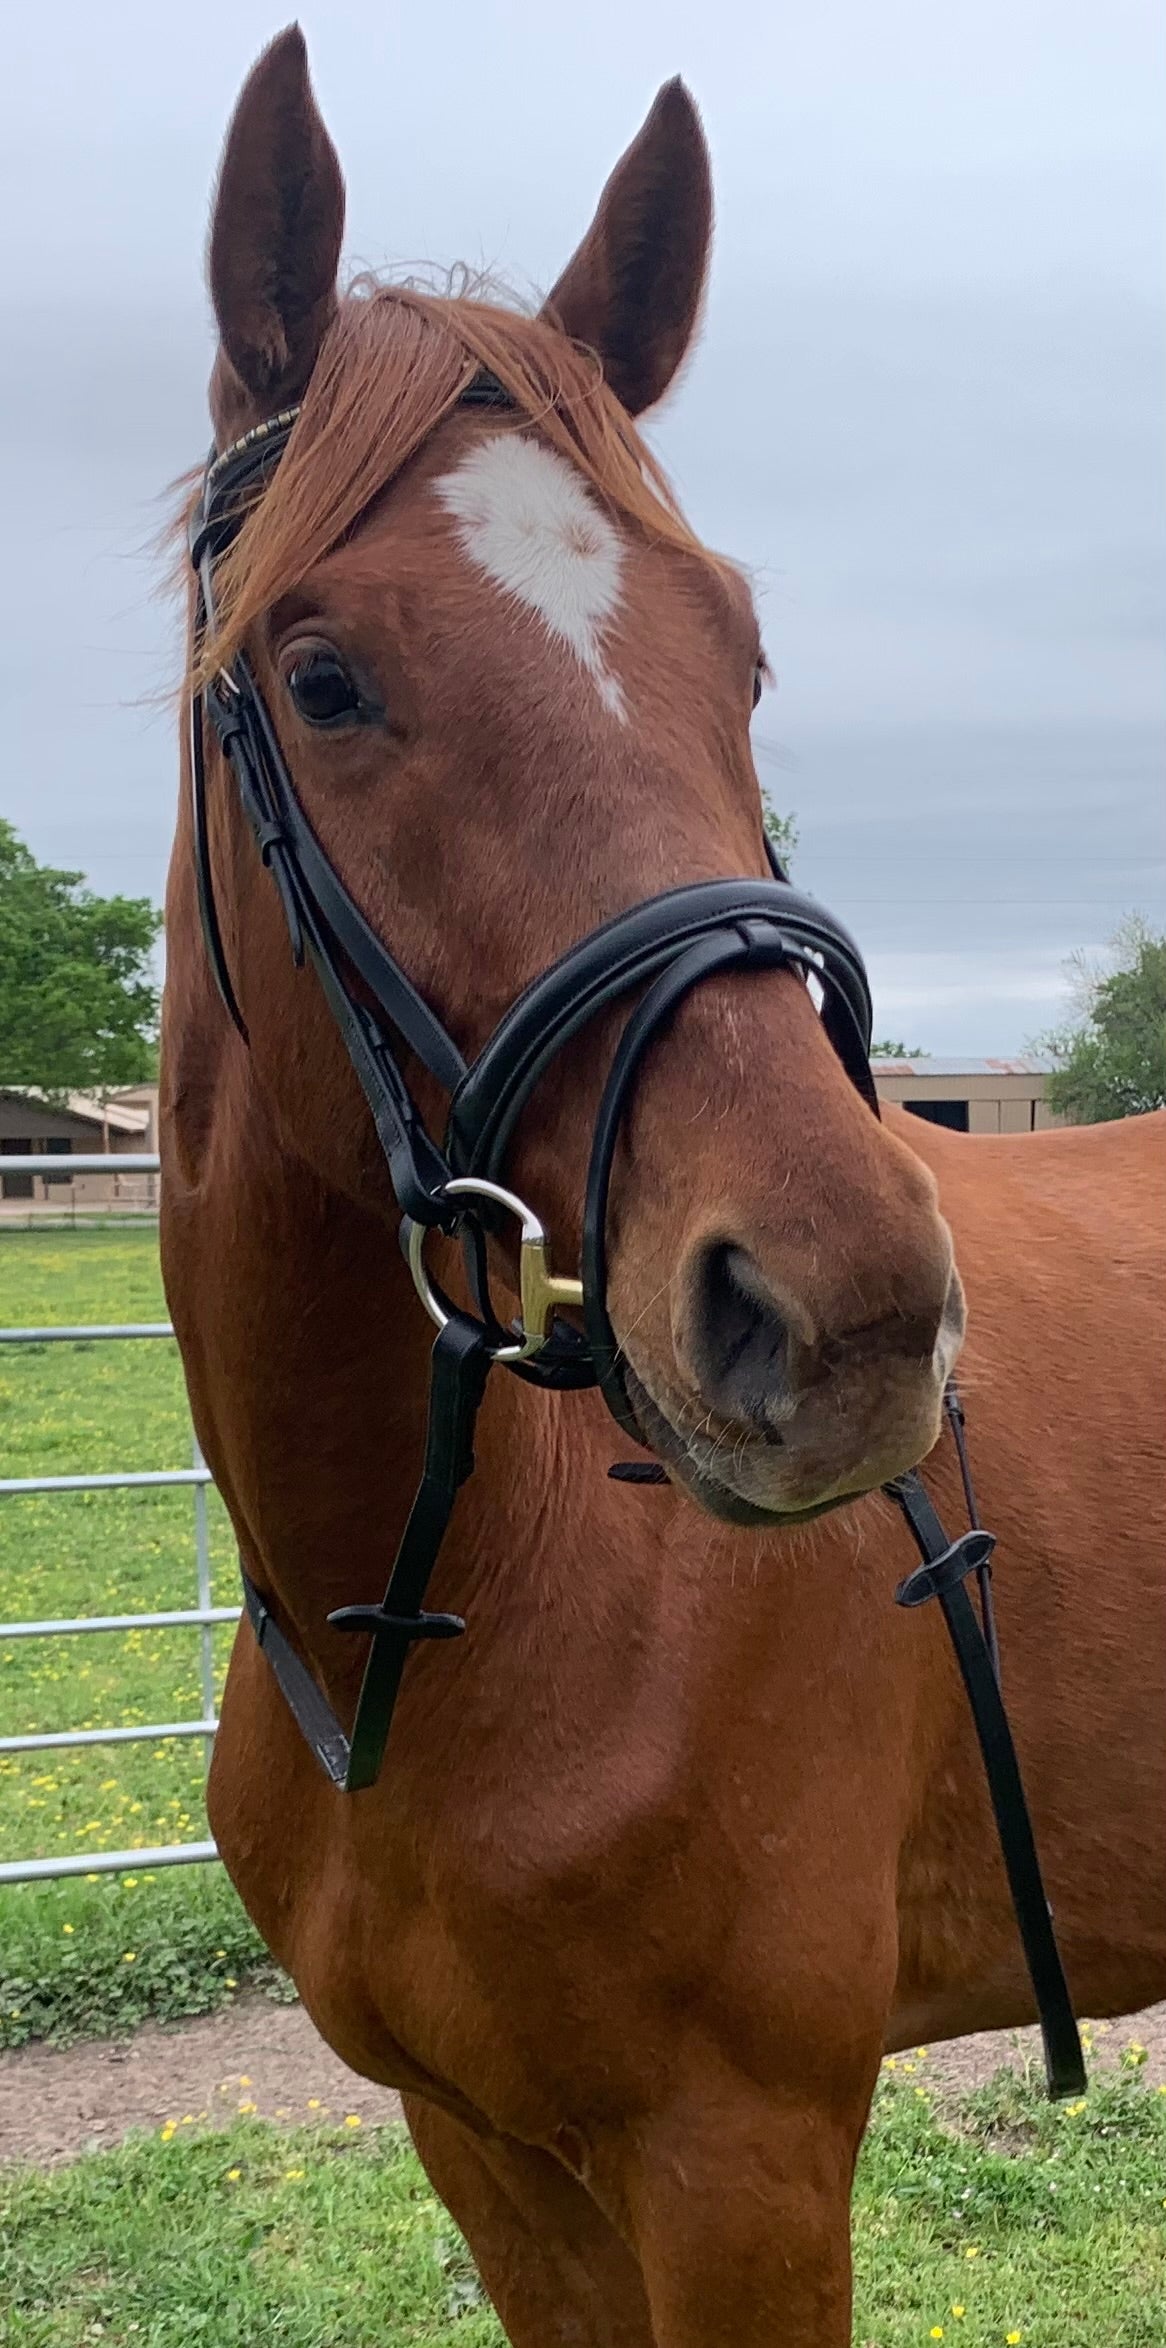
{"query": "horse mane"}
(393, 364)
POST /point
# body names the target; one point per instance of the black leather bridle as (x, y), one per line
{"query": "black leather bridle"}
(658, 950)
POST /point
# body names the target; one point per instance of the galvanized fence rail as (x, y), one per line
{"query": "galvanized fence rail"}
(202, 1616)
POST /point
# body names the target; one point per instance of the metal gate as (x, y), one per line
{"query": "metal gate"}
(201, 1616)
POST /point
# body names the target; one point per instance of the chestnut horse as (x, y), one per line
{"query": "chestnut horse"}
(691, 1826)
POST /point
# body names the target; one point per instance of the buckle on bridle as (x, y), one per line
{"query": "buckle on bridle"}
(540, 1289)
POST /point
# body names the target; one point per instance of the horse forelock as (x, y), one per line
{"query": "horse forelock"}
(393, 365)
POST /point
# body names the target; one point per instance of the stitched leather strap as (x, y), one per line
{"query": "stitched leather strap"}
(629, 951)
(946, 1564)
(720, 951)
(459, 1365)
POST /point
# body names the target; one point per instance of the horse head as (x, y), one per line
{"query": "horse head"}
(514, 691)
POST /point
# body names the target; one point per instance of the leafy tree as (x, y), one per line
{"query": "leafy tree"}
(1111, 1060)
(782, 829)
(78, 1003)
(884, 1049)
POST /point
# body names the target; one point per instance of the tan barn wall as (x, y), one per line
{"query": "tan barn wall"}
(996, 1102)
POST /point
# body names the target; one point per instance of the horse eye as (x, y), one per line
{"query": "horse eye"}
(760, 675)
(324, 691)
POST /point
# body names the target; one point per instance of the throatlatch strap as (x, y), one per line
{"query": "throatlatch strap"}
(311, 1711)
(459, 1366)
(941, 1575)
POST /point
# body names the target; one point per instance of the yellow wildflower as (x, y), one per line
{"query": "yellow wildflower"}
(352, 2120)
(247, 2107)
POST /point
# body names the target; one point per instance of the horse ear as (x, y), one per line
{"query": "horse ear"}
(276, 228)
(633, 289)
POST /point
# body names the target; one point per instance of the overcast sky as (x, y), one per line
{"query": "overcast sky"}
(927, 408)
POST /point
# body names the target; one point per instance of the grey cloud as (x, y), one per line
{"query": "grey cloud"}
(926, 411)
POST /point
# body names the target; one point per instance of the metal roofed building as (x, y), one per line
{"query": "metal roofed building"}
(970, 1096)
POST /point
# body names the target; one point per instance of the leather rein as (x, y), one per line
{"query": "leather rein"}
(659, 950)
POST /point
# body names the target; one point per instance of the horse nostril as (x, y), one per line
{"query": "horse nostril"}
(739, 1342)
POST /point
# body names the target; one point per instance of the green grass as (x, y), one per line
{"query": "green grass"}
(1041, 2222)
(310, 2239)
(1038, 2224)
(83, 1960)
(81, 1408)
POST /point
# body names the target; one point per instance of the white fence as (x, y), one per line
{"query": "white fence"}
(202, 1615)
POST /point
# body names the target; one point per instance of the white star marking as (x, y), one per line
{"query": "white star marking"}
(525, 517)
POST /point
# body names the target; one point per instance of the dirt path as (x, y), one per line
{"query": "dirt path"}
(267, 2058)
(962, 2063)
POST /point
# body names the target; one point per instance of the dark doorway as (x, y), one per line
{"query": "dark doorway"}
(16, 1185)
(953, 1113)
(59, 1147)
